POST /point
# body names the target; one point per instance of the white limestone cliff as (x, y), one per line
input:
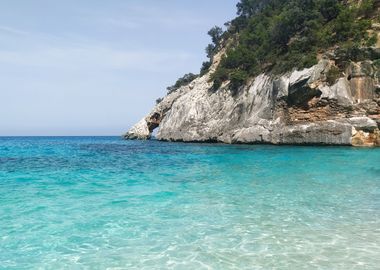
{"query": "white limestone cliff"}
(297, 108)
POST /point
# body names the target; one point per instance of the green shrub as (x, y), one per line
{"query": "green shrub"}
(216, 35)
(205, 67)
(367, 8)
(278, 36)
(237, 79)
(376, 63)
(184, 80)
(372, 41)
(218, 77)
(333, 75)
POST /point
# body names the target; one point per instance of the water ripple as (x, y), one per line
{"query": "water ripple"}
(98, 203)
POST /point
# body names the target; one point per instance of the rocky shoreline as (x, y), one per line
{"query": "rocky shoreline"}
(301, 107)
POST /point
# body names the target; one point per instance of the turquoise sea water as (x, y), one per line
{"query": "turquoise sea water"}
(105, 203)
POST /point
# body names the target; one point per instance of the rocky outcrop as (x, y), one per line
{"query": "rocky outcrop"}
(300, 107)
(144, 128)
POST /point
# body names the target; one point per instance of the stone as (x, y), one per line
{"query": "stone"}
(363, 123)
(295, 108)
(340, 91)
(361, 77)
(366, 139)
(320, 133)
(299, 92)
(139, 131)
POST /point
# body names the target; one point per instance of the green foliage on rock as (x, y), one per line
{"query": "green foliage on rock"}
(184, 80)
(278, 36)
(205, 67)
(216, 34)
(332, 75)
(159, 100)
(237, 78)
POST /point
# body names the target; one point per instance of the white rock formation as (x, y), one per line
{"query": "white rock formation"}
(296, 108)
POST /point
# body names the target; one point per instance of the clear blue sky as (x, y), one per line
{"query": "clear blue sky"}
(94, 67)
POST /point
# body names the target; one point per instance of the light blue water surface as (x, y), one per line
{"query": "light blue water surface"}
(105, 203)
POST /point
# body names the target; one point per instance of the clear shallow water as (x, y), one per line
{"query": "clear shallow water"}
(97, 203)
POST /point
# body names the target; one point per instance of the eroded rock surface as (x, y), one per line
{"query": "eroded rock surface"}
(296, 108)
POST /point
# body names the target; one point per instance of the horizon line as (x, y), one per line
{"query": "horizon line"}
(5, 136)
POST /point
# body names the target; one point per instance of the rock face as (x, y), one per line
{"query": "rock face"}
(297, 108)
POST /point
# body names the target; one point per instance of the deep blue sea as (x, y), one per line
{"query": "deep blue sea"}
(105, 203)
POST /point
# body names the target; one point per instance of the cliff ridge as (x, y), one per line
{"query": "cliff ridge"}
(333, 102)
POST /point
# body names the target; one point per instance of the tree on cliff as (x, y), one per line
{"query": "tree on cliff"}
(277, 35)
(215, 33)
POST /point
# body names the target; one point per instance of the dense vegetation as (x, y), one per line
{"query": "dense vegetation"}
(277, 35)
